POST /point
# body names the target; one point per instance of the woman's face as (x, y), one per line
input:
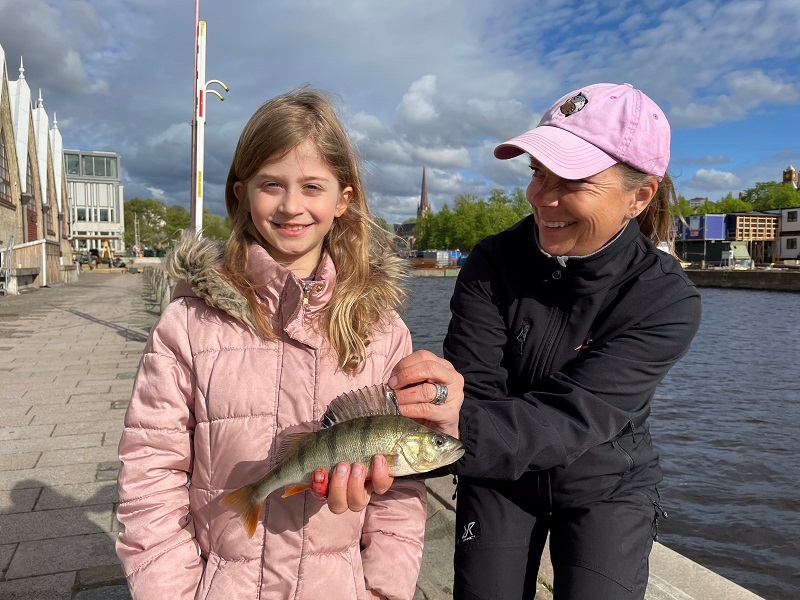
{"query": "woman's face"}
(578, 217)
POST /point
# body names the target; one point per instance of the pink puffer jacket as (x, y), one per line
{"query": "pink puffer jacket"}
(211, 403)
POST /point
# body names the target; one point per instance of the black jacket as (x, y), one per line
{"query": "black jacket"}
(560, 361)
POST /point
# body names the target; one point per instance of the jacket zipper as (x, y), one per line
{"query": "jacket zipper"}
(306, 291)
(521, 337)
(554, 325)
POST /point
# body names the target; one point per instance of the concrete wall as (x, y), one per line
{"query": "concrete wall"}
(757, 279)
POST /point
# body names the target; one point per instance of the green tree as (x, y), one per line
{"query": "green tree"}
(707, 208)
(683, 207)
(215, 227)
(176, 219)
(151, 216)
(771, 194)
(520, 204)
(383, 223)
(729, 204)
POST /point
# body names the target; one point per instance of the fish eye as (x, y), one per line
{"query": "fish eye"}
(438, 441)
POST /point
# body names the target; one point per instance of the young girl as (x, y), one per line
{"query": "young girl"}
(299, 307)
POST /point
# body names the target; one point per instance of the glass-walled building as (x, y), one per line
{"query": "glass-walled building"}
(95, 200)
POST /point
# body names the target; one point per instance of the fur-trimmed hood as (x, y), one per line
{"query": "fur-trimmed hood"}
(196, 262)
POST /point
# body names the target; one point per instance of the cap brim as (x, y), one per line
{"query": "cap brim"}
(560, 151)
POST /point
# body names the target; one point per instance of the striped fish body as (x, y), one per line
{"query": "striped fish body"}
(356, 427)
(401, 440)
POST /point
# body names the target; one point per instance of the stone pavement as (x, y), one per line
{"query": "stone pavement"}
(68, 355)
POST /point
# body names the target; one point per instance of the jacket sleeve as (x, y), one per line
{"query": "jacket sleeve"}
(157, 548)
(585, 404)
(394, 523)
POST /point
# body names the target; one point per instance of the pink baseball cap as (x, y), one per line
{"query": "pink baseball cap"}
(595, 127)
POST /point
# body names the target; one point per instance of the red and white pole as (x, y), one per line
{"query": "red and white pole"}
(200, 124)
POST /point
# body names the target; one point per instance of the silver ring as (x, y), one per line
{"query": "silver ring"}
(441, 394)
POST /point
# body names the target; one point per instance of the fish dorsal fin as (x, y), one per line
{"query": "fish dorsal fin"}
(290, 442)
(365, 402)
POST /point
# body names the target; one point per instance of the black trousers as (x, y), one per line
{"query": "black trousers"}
(599, 547)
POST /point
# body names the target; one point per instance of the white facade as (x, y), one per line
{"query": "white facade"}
(95, 196)
(790, 233)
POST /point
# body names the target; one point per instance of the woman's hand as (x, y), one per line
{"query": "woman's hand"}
(414, 381)
(347, 486)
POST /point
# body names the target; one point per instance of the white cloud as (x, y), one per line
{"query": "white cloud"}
(711, 179)
(157, 193)
(417, 107)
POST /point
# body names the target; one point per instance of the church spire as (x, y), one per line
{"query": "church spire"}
(21, 69)
(423, 198)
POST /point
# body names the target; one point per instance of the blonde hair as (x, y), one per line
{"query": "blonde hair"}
(656, 220)
(369, 273)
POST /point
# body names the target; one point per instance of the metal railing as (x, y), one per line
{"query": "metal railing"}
(5, 266)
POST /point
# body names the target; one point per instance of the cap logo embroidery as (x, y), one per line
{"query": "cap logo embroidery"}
(574, 104)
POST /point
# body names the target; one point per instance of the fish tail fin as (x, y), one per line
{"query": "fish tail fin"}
(243, 501)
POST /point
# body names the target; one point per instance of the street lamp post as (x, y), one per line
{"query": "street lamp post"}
(198, 146)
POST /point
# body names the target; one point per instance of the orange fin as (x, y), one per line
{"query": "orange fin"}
(295, 488)
(242, 501)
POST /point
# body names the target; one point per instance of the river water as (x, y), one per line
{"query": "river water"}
(725, 421)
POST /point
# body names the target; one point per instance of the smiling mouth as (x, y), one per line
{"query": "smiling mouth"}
(291, 227)
(557, 224)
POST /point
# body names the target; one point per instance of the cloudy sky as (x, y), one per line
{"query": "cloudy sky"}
(435, 83)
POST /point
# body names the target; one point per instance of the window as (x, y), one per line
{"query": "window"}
(5, 180)
(791, 244)
(99, 166)
(81, 214)
(104, 214)
(73, 164)
(791, 216)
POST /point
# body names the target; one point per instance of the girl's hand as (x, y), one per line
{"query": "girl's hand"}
(347, 486)
(413, 381)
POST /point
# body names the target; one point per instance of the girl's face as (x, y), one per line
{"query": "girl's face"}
(578, 217)
(292, 202)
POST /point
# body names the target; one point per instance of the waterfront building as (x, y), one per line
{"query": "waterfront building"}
(34, 245)
(95, 200)
(725, 239)
(787, 244)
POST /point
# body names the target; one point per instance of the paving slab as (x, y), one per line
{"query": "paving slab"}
(49, 587)
(56, 523)
(19, 500)
(86, 473)
(63, 442)
(66, 554)
(78, 456)
(84, 494)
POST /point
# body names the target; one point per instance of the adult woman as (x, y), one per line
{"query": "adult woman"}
(562, 328)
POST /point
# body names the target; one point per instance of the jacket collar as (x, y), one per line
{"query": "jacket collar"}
(585, 275)
(294, 303)
(197, 263)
